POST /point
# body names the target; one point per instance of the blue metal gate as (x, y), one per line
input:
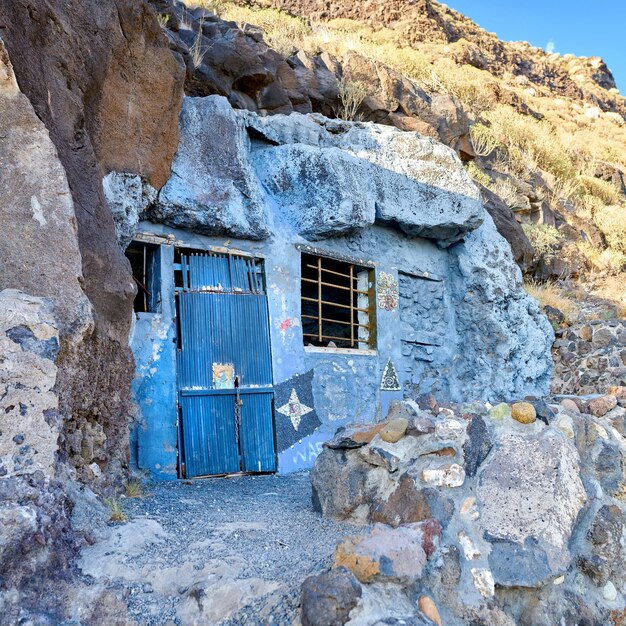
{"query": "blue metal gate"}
(224, 367)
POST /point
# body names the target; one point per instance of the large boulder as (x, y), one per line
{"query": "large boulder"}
(530, 493)
(416, 182)
(328, 177)
(323, 191)
(212, 189)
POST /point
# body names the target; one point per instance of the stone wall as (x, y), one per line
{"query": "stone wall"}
(590, 357)
(505, 515)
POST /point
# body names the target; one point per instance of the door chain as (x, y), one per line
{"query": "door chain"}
(238, 405)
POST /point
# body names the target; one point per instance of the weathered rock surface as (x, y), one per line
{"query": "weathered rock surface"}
(128, 196)
(508, 227)
(327, 177)
(107, 89)
(324, 190)
(212, 189)
(388, 554)
(29, 344)
(535, 516)
(412, 181)
(328, 598)
(518, 340)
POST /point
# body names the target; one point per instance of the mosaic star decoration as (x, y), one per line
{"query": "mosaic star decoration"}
(294, 409)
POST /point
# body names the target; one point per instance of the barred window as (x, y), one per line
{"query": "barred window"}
(338, 306)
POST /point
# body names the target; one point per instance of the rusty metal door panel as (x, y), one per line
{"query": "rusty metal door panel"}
(224, 367)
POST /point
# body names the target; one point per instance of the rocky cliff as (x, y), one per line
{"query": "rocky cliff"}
(542, 133)
(85, 87)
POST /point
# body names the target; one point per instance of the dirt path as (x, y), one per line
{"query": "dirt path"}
(228, 551)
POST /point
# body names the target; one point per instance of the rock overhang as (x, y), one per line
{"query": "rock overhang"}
(328, 177)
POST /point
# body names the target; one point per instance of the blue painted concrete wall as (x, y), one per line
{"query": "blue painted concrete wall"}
(154, 438)
(346, 385)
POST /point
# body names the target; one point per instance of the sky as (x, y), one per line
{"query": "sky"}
(581, 27)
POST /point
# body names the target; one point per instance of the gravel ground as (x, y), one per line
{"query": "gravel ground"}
(263, 524)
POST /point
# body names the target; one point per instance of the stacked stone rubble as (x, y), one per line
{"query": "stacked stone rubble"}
(515, 514)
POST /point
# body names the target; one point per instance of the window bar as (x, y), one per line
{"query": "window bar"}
(332, 321)
(341, 306)
(319, 297)
(324, 269)
(352, 306)
(312, 280)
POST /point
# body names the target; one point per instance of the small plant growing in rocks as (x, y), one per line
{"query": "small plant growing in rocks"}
(134, 489)
(117, 510)
(351, 96)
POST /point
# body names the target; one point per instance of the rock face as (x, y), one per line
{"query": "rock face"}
(490, 282)
(330, 177)
(221, 58)
(95, 90)
(532, 535)
(429, 21)
(385, 554)
(307, 178)
(29, 342)
(508, 227)
(108, 90)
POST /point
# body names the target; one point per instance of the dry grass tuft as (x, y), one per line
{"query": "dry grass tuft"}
(117, 510)
(134, 489)
(351, 96)
(550, 294)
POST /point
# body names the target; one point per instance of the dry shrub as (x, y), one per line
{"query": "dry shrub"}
(546, 240)
(601, 189)
(550, 294)
(478, 175)
(506, 191)
(528, 143)
(602, 259)
(133, 489)
(611, 220)
(351, 96)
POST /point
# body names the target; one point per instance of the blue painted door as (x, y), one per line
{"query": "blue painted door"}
(224, 367)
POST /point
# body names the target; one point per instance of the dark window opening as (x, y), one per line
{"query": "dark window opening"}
(146, 267)
(337, 304)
